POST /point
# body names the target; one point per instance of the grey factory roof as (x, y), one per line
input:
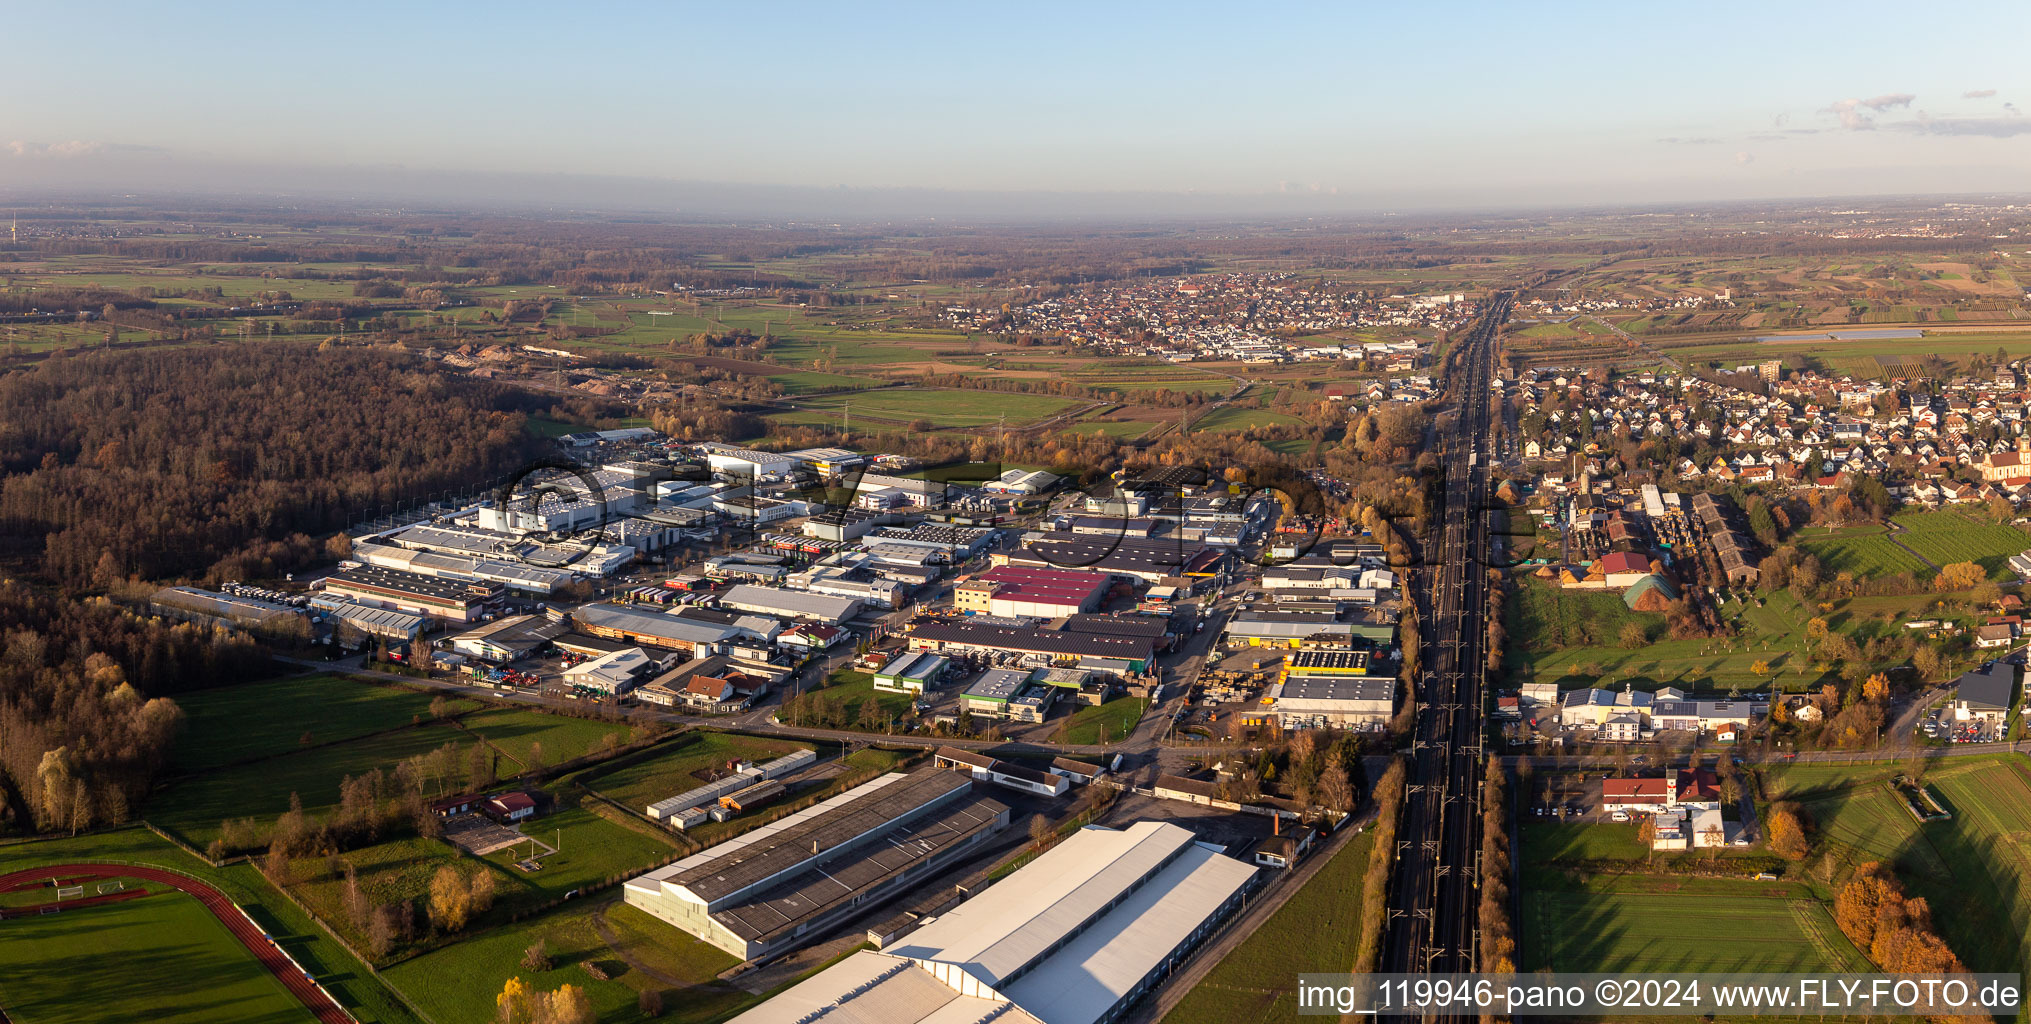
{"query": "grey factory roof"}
(805, 887)
(434, 587)
(1161, 555)
(1043, 641)
(656, 624)
(1076, 930)
(765, 857)
(998, 684)
(1338, 688)
(875, 987)
(771, 600)
(1150, 626)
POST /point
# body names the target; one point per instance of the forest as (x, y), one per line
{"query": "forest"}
(213, 463)
(232, 462)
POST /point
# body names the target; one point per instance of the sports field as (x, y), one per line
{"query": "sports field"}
(162, 958)
(165, 982)
(1316, 930)
(321, 707)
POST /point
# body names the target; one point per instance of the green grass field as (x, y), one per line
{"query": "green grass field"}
(1973, 868)
(459, 982)
(1230, 418)
(1773, 633)
(670, 769)
(162, 958)
(193, 807)
(942, 408)
(1106, 723)
(590, 850)
(1313, 932)
(1615, 932)
(1594, 900)
(169, 983)
(1559, 617)
(515, 731)
(1866, 554)
(1947, 537)
(321, 706)
(390, 872)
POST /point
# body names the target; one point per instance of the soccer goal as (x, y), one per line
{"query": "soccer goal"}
(70, 893)
(115, 885)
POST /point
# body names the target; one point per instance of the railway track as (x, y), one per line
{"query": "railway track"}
(1431, 927)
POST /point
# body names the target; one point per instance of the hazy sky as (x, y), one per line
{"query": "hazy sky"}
(1344, 106)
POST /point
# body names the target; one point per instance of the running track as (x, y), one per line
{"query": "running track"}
(320, 1004)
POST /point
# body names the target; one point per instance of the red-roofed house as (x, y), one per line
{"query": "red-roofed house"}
(1649, 795)
(1621, 568)
(511, 807)
(1698, 786)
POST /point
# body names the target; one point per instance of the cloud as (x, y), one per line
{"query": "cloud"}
(1745, 158)
(2012, 108)
(72, 150)
(1977, 94)
(1696, 140)
(53, 150)
(1850, 111)
(1990, 127)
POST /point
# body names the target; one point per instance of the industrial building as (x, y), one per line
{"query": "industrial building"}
(733, 460)
(1074, 937)
(632, 625)
(803, 606)
(912, 672)
(1150, 559)
(827, 462)
(959, 543)
(1288, 628)
(451, 600)
(1330, 689)
(385, 623)
(1024, 590)
(1009, 693)
(426, 561)
(1118, 655)
(677, 810)
(510, 639)
(764, 892)
(614, 673)
(192, 604)
(988, 768)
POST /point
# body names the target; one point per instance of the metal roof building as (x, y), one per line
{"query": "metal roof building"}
(762, 892)
(870, 986)
(1071, 938)
(381, 622)
(657, 629)
(790, 604)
